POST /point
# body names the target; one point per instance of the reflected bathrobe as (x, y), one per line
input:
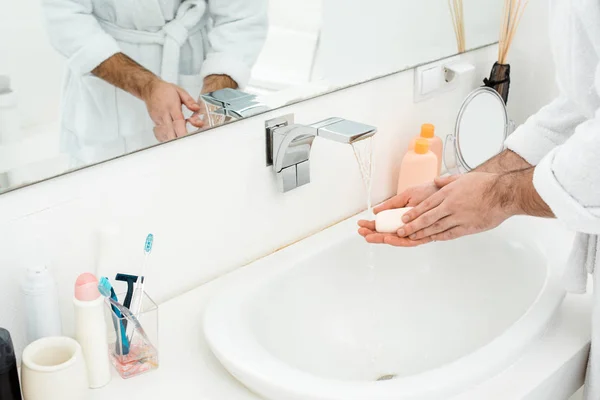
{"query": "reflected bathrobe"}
(182, 41)
(563, 141)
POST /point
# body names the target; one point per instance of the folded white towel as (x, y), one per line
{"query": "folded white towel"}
(581, 262)
(592, 379)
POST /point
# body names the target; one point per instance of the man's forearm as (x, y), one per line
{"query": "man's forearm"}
(514, 188)
(126, 74)
(514, 192)
(217, 82)
(507, 161)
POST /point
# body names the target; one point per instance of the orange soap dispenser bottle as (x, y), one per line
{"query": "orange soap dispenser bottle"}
(435, 143)
(418, 166)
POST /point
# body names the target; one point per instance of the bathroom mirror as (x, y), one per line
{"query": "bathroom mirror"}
(480, 131)
(61, 113)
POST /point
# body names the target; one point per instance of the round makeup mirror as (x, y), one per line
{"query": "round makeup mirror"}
(481, 129)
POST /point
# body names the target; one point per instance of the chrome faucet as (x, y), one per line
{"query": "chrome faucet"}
(289, 144)
(234, 103)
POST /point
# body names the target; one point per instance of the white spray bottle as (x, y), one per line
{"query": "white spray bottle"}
(42, 312)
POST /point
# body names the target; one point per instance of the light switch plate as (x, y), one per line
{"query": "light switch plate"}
(429, 79)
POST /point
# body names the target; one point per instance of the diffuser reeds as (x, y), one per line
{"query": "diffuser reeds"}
(513, 12)
(458, 23)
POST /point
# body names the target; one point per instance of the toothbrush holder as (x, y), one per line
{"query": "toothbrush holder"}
(140, 354)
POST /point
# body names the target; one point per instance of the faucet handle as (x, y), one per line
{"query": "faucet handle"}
(294, 176)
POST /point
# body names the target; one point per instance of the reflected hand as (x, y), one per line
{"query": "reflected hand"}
(411, 197)
(212, 83)
(201, 119)
(466, 205)
(164, 102)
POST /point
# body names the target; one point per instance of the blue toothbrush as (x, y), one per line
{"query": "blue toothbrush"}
(138, 294)
(106, 290)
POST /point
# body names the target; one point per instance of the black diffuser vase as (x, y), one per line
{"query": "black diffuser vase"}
(499, 80)
(9, 379)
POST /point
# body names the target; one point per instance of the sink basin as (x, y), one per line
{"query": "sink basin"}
(338, 319)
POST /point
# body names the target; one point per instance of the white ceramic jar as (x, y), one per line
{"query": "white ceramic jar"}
(53, 368)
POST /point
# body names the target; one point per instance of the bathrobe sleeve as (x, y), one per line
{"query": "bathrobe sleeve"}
(551, 126)
(568, 177)
(76, 34)
(236, 38)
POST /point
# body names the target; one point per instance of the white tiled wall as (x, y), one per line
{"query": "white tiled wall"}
(209, 199)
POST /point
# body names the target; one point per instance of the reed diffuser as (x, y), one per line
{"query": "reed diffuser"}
(499, 78)
(458, 23)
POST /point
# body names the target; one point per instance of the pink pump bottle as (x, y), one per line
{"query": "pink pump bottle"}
(418, 166)
(90, 329)
(435, 143)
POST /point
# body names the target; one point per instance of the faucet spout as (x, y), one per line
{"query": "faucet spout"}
(289, 145)
(343, 131)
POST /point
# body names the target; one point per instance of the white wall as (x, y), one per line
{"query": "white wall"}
(36, 70)
(28, 58)
(533, 84)
(366, 38)
(302, 16)
(287, 57)
(209, 199)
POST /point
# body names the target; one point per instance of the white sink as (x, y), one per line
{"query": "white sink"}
(424, 323)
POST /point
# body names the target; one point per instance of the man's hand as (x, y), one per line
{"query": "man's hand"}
(409, 198)
(212, 83)
(473, 203)
(461, 205)
(164, 102)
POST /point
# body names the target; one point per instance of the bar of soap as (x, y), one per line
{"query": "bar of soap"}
(390, 221)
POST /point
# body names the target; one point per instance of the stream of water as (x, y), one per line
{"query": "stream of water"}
(363, 152)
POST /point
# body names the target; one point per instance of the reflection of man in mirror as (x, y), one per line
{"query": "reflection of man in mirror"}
(164, 53)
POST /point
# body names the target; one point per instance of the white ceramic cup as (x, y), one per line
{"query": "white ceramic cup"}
(53, 368)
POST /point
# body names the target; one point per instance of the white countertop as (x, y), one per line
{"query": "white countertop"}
(552, 369)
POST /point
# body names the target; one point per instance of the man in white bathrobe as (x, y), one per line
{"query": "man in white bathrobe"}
(135, 67)
(551, 168)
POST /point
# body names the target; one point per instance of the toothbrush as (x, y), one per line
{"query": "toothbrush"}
(138, 294)
(106, 290)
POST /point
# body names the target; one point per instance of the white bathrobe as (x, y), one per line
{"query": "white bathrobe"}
(563, 141)
(182, 41)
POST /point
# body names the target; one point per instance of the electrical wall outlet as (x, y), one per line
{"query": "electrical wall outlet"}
(440, 76)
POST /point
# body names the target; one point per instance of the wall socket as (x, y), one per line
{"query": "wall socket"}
(440, 76)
